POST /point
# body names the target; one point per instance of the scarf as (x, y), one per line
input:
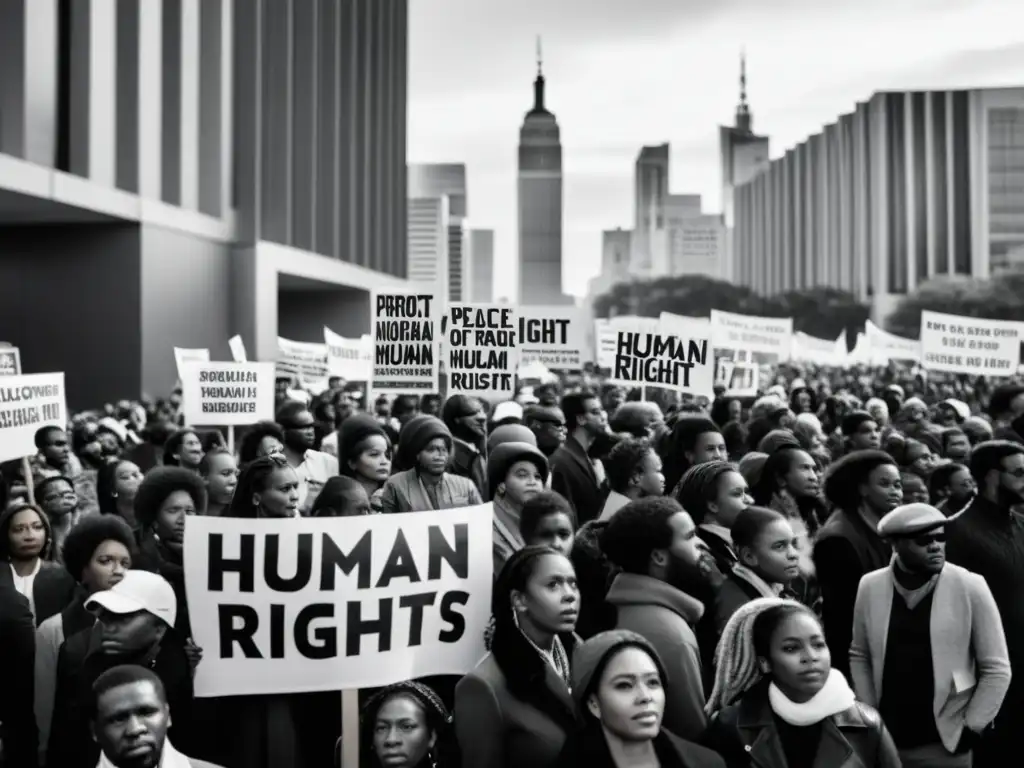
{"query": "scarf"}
(171, 758)
(834, 697)
(556, 658)
(912, 597)
(764, 589)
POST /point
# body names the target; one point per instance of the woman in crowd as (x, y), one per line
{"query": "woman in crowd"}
(618, 685)
(26, 548)
(515, 709)
(264, 438)
(693, 440)
(714, 493)
(219, 472)
(341, 496)
(548, 520)
(406, 725)
(267, 487)
(422, 481)
(951, 488)
(59, 500)
(768, 560)
(364, 452)
(184, 449)
(97, 553)
(516, 472)
(116, 486)
(165, 499)
(778, 703)
(862, 487)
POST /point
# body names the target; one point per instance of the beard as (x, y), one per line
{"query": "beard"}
(695, 579)
(1008, 498)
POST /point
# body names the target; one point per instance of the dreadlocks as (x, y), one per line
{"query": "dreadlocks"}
(745, 638)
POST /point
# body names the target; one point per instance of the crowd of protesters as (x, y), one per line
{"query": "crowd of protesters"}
(826, 575)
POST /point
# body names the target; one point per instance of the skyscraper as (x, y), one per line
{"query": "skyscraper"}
(650, 191)
(435, 180)
(479, 258)
(540, 203)
(743, 156)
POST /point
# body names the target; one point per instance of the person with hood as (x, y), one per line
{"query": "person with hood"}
(863, 487)
(618, 684)
(422, 481)
(467, 422)
(516, 472)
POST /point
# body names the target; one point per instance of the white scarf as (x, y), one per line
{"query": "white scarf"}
(171, 758)
(834, 697)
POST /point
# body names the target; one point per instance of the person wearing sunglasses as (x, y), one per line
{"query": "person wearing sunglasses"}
(928, 647)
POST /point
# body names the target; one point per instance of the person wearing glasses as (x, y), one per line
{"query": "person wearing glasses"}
(548, 425)
(313, 467)
(928, 648)
(988, 539)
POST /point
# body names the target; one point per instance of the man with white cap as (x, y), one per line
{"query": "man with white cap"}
(134, 625)
(928, 647)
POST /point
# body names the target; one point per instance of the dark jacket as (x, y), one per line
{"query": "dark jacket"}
(845, 550)
(572, 475)
(53, 589)
(18, 734)
(466, 461)
(746, 735)
(591, 750)
(79, 664)
(157, 558)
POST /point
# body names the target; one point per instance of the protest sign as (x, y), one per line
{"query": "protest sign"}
(327, 604)
(237, 349)
(351, 359)
(182, 355)
(740, 379)
(10, 360)
(305, 361)
(405, 343)
(646, 354)
(970, 344)
(481, 349)
(810, 349)
(554, 336)
(750, 333)
(227, 394)
(885, 346)
(28, 402)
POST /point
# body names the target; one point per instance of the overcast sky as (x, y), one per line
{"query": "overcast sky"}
(624, 73)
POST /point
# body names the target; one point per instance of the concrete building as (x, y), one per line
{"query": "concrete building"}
(173, 173)
(908, 186)
(650, 192)
(743, 155)
(429, 239)
(540, 204)
(616, 256)
(449, 180)
(480, 260)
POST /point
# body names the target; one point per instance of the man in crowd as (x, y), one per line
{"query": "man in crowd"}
(547, 422)
(988, 539)
(135, 620)
(634, 472)
(655, 544)
(928, 649)
(638, 419)
(1006, 404)
(465, 418)
(18, 732)
(130, 717)
(574, 474)
(314, 468)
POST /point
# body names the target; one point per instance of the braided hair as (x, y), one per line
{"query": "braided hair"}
(698, 487)
(437, 716)
(747, 637)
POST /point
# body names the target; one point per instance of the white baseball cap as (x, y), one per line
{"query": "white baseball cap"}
(507, 410)
(139, 591)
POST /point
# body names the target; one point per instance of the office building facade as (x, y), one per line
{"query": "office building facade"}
(429, 238)
(448, 180)
(909, 186)
(480, 261)
(650, 192)
(175, 172)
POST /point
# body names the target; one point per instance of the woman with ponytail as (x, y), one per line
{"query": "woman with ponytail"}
(515, 708)
(777, 702)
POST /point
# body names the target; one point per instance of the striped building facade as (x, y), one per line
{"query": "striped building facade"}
(910, 186)
(200, 168)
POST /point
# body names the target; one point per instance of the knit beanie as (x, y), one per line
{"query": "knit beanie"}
(591, 656)
(751, 466)
(777, 439)
(510, 433)
(415, 436)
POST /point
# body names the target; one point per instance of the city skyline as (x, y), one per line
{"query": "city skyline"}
(609, 71)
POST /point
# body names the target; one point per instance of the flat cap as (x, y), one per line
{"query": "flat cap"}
(912, 519)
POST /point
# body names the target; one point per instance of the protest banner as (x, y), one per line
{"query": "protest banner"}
(554, 336)
(970, 345)
(237, 347)
(481, 349)
(351, 359)
(227, 394)
(405, 343)
(750, 333)
(883, 346)
(328, 604)
(810, 349)
(10, 360)
(28, 402)
(740, 379)
(646, 354)
(304, 361)
(182, 355)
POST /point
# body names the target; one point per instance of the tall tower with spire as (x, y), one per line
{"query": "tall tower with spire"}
(540, 201)
(743, 155)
